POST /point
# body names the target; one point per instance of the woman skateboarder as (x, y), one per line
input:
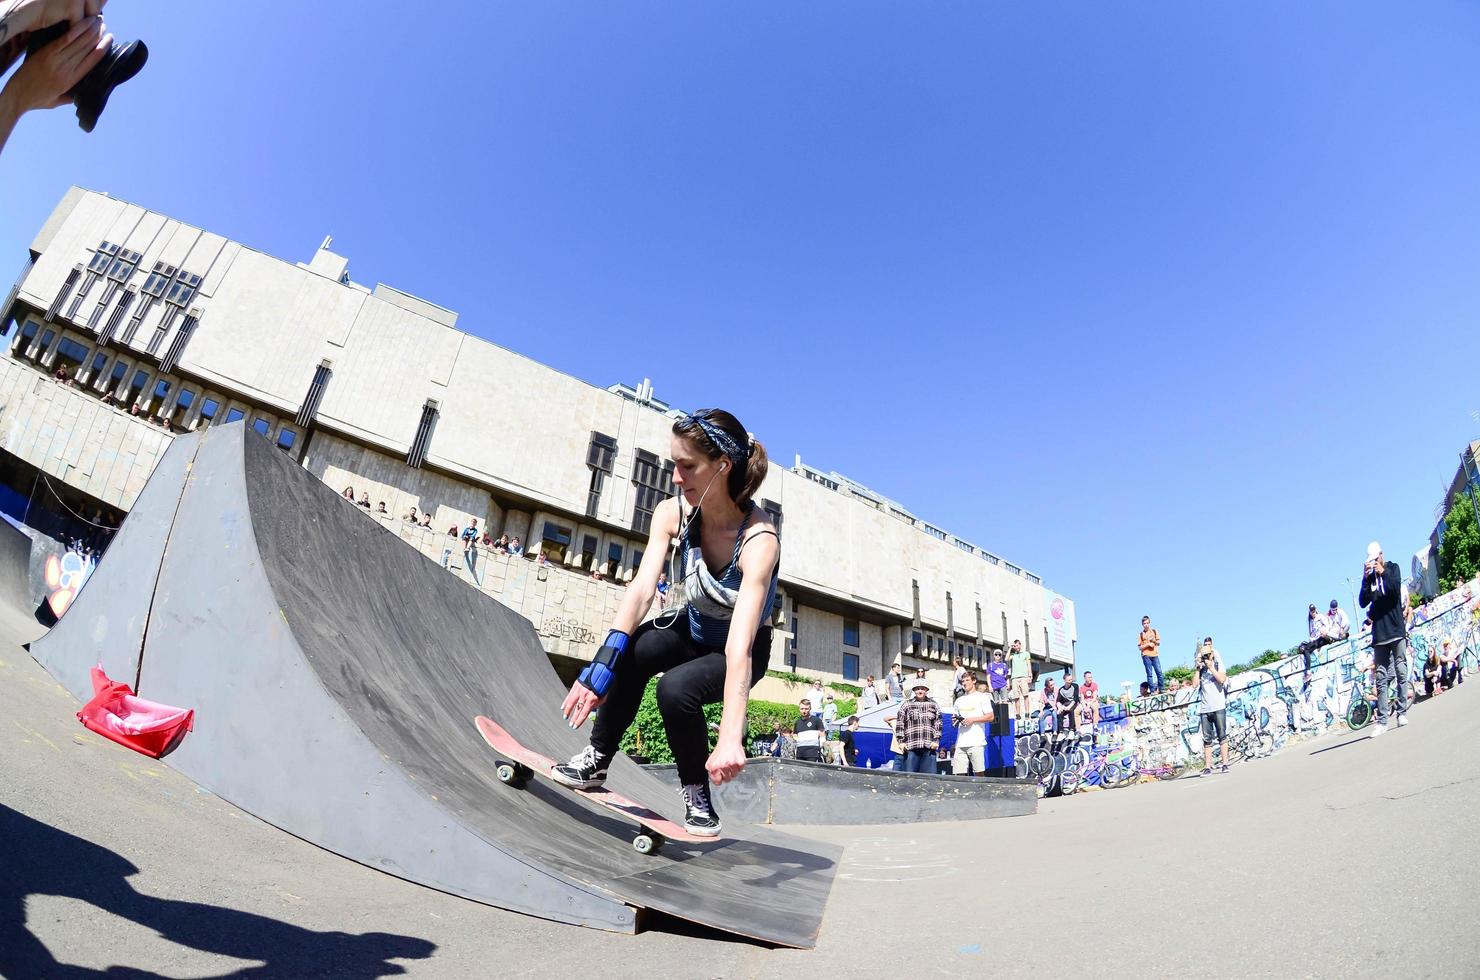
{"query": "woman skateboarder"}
(712, 650)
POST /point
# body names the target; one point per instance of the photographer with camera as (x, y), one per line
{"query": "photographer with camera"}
(69, 59)
(1386, 601)
(1212, 683)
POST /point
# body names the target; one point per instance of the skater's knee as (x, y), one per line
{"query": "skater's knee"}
(673, 697)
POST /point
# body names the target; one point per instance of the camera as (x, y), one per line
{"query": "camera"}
(90, 96)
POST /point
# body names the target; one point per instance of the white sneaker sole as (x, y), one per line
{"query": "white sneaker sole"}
(702, 831)
(565, 780)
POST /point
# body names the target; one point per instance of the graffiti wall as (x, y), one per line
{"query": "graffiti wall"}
(1292, 698)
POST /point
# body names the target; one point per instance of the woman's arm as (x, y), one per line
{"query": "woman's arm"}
(580, 701)
(757, 562)
(638, 598)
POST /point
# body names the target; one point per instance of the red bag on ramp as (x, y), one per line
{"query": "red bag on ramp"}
(145, 726)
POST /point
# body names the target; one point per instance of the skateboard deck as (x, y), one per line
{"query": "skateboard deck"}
(517, 761)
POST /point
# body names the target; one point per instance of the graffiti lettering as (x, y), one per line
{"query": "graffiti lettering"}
(567, 629)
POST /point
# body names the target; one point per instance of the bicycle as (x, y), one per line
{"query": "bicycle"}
(1129, 769)
(1250, 742)
(1362, 708)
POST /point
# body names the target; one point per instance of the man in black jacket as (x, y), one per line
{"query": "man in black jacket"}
(1387, 603)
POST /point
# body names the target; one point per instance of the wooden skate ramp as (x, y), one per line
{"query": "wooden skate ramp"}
(335, 673)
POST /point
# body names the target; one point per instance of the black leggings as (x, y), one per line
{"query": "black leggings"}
(693, 676)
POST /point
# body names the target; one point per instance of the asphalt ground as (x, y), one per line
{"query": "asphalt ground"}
(1345, 856)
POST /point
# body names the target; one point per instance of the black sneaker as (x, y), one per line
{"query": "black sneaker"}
(585, 770)
(698, 811)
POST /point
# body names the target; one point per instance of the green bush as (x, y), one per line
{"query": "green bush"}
(791, 678)
(1181, 672)
(647, 738)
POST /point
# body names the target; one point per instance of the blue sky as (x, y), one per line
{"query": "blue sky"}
(1174, 304)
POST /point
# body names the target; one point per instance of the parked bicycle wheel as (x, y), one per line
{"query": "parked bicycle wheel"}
(1359, 714)
(1070, 779)
(1040, 764)
(1169, 772)
(1022, 768)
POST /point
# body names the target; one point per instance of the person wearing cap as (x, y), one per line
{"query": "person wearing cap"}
(1020, 684)
(1212, 682)
(809, 732)
(1386, 601)
(918, 726)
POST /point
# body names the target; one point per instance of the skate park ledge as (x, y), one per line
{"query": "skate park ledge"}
(790, 791)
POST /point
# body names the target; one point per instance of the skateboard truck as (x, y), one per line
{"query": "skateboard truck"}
(516, 775)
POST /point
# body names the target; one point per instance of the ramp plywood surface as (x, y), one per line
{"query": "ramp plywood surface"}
(335, 673)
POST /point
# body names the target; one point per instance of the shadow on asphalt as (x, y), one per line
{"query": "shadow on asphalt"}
(1342, 745)
(655, 921)
(41, 860)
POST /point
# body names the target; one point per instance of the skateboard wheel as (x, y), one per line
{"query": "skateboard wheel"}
(509, 774)
(647, 843)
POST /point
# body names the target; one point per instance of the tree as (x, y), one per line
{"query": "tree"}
(1181, 672)
(1459, 552)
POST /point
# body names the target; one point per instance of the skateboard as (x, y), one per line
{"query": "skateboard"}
(517, 762)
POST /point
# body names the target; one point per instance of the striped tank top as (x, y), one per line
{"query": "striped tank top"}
(711, 597)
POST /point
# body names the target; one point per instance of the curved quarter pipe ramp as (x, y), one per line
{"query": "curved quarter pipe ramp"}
(335, 673)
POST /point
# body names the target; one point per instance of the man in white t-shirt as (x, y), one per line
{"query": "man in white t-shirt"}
(973, 712)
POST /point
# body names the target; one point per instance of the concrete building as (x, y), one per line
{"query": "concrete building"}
(1464, 485)
(126, 326)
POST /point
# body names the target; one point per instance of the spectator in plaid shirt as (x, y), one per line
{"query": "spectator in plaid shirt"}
(918, 728)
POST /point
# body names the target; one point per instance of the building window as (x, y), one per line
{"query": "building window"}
(599, 457)
(234, 415)
(183, 290)
(209, 409)
(161, 389)
(555, 543)
(123, 265)
(791, 660)
(262, 427)
(115, 379)
(424, 429)
(102, 257)
(136, 386)
(950, 648)
(286, 438)
(27, 332)
(70, 355)
(636, 558)
(654, 484)
(792, 642)
(773, 509)
(158, 280)
(100, 361)
(950, 613)
(614, 557)
(850, 632)
(46, 338)
(588, 551)
(915, 643)
(850, 666)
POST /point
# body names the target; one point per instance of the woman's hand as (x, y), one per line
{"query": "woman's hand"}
(579, 704)
(725, 762)
(44, 78)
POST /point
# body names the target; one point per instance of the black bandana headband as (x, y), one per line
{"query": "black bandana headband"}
(722, 440)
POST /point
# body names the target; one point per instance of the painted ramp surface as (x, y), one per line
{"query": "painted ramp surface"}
(335, 673)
